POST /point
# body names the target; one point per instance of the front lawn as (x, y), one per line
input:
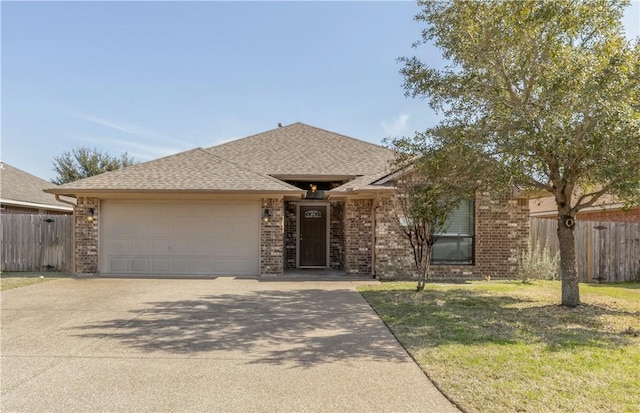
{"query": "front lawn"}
(9, 280)
(506, 346)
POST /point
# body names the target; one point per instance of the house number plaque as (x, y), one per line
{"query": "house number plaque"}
(312, 213)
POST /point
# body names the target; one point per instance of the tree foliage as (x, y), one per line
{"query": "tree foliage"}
(84, 162)
(548, 90)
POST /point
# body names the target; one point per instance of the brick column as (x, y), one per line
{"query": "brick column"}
(290, 233)
(358, 236)
(86, 235)
(272, 238)
(336, 236)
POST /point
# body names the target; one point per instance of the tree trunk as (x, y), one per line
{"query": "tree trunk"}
(568, 270)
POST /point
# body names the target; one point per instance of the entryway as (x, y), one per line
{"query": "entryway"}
(313, 242)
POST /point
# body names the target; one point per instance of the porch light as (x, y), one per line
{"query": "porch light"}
(91, 214)
(266, 214)
(314, 187)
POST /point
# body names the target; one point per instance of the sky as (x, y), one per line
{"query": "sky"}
(156, 78)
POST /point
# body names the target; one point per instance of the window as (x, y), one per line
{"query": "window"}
(455, 246)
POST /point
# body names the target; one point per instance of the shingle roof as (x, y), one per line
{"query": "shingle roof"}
(250, 164)
(21, 186)
(300, 149)
(195, 171)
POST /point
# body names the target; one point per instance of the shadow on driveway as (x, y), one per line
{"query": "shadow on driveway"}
(305, 327)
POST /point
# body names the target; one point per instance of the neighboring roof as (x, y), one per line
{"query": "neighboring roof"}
(18, 187)
(546, 206)
(192, 171)
(299, 149)
(258, 163)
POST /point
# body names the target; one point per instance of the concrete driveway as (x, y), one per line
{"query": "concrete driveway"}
(225, 344)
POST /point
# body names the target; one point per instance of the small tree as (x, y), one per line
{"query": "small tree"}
(422, 212)
(425, 200)
(83, 162)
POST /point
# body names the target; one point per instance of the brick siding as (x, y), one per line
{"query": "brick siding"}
(336, 236)
(272, 252)
(358, 236)
(290, 233)
(394, 257)
(501, 228)
(502, 232)
(611, 215)
(86, 236)
(604, 215)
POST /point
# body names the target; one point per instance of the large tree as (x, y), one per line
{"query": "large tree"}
(84, 162)
(549, 90)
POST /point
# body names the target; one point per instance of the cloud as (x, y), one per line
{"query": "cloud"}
(139, 142)
(119, 126)
(397, 126)
(136, 149)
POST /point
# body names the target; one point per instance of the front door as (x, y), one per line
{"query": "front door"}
(313, 235)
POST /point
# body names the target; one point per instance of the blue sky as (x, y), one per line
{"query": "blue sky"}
(153, 79)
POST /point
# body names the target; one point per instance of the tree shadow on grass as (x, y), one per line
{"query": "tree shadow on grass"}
(464, 316)
(302, 327)
(634, 285)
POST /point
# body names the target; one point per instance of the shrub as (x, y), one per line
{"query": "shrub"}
(538, 264)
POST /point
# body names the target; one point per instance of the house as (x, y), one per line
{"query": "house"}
(22, 193)
(607, 208)
(293, 197)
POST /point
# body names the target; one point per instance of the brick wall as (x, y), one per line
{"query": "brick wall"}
(272, 252)
(603, 215)
(501, 232)
(336, 236)
(394, 257)
(611, 215)
(290, 233)
(358, 236)
(86, 236)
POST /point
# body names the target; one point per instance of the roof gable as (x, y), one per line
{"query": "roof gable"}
(195, 171)
(300, 149)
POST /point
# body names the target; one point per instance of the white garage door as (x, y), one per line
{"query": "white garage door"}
(181, 238)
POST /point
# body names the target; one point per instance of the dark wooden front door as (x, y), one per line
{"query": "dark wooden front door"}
(313, 236)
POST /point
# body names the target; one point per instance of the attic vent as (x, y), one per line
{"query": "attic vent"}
(279, 125)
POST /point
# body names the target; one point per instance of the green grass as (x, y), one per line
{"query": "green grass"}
(10, 280)
(509, 347)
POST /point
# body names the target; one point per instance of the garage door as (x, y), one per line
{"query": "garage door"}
(221, 238)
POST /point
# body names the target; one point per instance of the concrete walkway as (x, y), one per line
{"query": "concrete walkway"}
(225, 344)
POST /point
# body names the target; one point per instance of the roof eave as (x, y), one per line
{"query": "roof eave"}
(35, 205)
(85, 191)
(362, 191)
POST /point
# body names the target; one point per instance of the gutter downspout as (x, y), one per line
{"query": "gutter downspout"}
(374, 206)
(63, 201)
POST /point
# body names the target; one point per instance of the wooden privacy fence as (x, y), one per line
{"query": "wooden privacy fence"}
(605, 251)
(36, 242)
